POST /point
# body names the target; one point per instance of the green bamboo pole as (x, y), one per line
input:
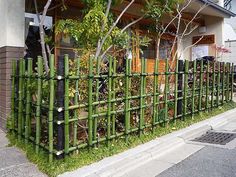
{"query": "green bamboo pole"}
(193, 87)
(13, 93)
(223, 84)
(127, 102)
(232, 81)
(66, 105)
(166, 91)
(218, 85)
(28, 99)
(113, 105)
(207, 86)
(95, 121)
(200, 90)
(213, 86)
(23, 97)
(90, 102)
(109, 99)
(186, 71)
(141, 97)
(176, 90)
(155, 94)
(228, 85)
(51, 107)
(76, 102)
(39, 102)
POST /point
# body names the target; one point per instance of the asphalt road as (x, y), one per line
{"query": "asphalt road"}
(207, 162)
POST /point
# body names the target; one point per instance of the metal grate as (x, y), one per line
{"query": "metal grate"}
(216, 138)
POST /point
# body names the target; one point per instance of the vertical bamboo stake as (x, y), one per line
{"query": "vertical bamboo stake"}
(109, 100)
(39, 102)
(90, 102)
(166, 91)
(223, 84)
(176, 90)
(155, 94)
(193, 87)
(207, 86)
(228, 73)
(218, 85)
(51, 107)
(20, 97)
(200, 90)
(213, 86)
(28, 99)
(13, 93)
(141, 97)
(95, 122)
(127, 102)
(76, 102)
(185, 88)
(23, 98)
(113, 105)
(66, 105)
(232, 81)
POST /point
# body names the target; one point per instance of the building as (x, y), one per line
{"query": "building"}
(20, 29)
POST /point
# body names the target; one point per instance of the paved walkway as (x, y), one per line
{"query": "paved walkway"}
(13, 162)
(194, 159)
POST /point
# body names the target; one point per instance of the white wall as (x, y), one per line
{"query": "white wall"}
(230, 57)
(214, 26)
(12, 23)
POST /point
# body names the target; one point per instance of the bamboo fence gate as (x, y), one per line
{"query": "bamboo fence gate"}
(44, 113)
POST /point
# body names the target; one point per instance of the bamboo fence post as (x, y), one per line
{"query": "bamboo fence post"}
(76, 102)
(207, 86)
(194, 87)
(127, 101)
(141, 97)
(218, 84)
(39, 102)
(20, 97)
(228, 73)
(23, 98)
(109, 99)
(28, 99)
(155, 94)
(185, 87)
(60, 102)
(51, 107)
(223, 84)
(13, 94)
(213, 86)
(113, 105)
(90, 102)
(201, 86)
(66, 105)
(180, 88)
(176, 90)
(166, 91)
(232, 81)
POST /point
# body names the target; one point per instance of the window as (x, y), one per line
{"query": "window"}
(165, 49)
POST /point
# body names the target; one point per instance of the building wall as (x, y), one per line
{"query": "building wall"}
(11, 48)
(214, 25)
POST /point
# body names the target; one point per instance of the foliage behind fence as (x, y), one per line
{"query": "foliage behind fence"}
(85, 102)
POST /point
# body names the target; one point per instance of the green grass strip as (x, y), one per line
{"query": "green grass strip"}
(86, 157)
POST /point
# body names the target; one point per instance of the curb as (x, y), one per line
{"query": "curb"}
(121, 163)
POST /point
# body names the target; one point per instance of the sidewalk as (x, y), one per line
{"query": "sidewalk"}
(13, 162)
(154, 157)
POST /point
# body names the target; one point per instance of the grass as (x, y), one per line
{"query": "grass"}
(86, 157)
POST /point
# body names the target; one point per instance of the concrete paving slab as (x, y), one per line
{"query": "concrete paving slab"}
(150, 169)
(180, 153)
(3, 140)
(231, 126)
(22, 170)
(11, 156)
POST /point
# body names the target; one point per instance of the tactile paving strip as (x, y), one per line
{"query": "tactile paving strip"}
(211, 137)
